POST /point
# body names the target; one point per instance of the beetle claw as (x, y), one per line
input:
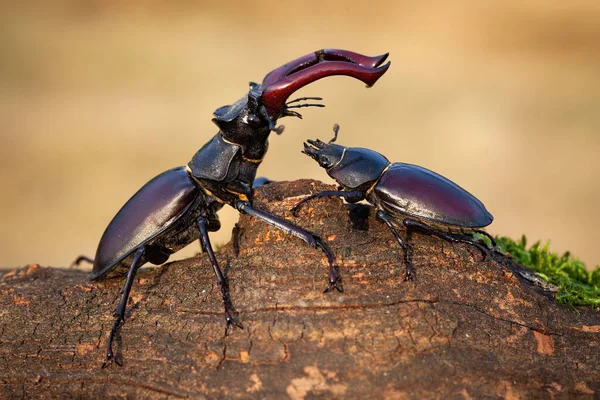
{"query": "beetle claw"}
(110, 358)
(335, 284)
(231, 321)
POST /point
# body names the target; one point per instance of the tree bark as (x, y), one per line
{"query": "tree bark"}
(465, 327)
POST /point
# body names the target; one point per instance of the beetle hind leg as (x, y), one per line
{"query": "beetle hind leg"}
(412, 224)
(205, 242)
(120, 311)
(487, 235)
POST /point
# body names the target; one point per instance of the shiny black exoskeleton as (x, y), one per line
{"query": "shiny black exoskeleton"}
(181, 205)
(408, 194)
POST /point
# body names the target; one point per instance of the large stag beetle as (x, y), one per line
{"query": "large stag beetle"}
(181, 204)
(417, 198)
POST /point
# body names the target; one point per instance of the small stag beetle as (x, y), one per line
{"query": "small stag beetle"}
(181, 204)
(418, 198)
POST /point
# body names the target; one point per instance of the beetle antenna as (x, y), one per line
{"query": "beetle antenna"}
(336, 129)
(304, 98)
(306, 105)
(288, 113)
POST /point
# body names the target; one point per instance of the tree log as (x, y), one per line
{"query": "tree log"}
(465, 327)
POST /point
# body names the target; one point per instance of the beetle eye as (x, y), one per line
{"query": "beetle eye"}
(253, 120)
(325, 162)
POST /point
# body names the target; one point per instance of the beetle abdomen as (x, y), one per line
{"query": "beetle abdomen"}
(149, 212)
(416, 191)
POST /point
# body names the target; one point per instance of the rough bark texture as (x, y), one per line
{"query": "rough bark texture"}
(464, 328)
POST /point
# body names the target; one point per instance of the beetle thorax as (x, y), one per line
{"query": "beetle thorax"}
(358, 168)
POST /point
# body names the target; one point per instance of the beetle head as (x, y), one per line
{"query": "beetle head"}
(328, 155)
(353, 168)
(249, 121)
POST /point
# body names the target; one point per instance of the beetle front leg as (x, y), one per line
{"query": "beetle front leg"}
(120, 311)
(205, 242)
(310, 239)
(350, 197)
(385, 218)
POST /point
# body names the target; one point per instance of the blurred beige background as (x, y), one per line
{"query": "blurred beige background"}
(97, 97)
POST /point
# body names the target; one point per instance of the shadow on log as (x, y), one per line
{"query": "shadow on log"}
(464, 328)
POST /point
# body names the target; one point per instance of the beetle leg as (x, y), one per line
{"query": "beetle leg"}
(484, 233)
(289, 228)
(350, 197)
(260, 181)
(382, 216)
(414, 224)
(81, 259)
(205, 242)
(120, 311)
(236, 235)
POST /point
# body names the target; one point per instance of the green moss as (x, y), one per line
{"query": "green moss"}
(576, 285)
